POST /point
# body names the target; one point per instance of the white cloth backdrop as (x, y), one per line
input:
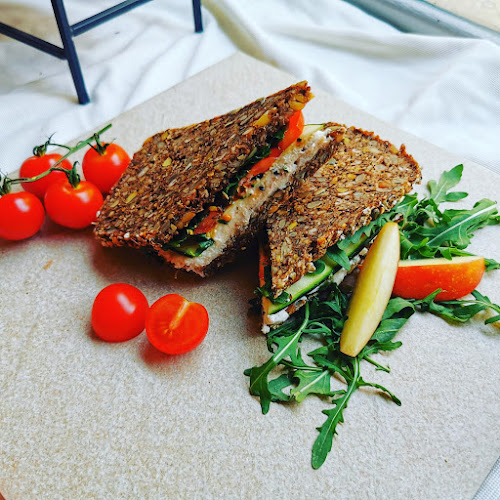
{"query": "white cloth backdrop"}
(444, 90)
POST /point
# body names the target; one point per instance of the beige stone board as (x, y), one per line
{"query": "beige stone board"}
(80, 418)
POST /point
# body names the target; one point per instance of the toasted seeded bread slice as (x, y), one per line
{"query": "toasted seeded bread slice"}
(246, 216)
(365, 177)
(178, 173)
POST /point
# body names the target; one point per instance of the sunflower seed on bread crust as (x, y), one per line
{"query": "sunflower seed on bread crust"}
(364, 177)
(177, 173)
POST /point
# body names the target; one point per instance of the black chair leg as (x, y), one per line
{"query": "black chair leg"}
(198, 25)
(70, 51)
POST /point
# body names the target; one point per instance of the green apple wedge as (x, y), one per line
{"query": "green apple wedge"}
(372, 290)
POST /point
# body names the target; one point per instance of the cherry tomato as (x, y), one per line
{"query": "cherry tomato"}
(36, 165)
(73, 207)
(119, 312)
(175, 325)
(21, 215)
(295, 128)
(105, 169)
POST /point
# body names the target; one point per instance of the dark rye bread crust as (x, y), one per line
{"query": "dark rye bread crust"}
(365, 177)
(178, 172)
(246, 235)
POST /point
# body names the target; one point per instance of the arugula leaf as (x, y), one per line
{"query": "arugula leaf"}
(491, 264)
(323, 444)
(286, 346)
(428, 232)
(276, 387)
(461, 310)
(439, 190)
(458, 225)
(311, 383)
(339, 256)
(394, 398)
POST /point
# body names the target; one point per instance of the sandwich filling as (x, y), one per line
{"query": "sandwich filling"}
(339, 260)
(196, 236)
(207, 235)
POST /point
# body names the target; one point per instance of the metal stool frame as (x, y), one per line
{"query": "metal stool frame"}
(68, 32)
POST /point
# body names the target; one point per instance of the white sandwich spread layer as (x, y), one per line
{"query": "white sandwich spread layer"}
(241, 211)
(281, 316)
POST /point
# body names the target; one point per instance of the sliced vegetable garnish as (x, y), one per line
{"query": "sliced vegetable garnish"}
(372, 291)
(210, 221)
(295, 128)
(456, 278)
(326, 267)
(255, 157)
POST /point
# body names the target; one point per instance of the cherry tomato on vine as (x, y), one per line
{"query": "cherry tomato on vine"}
(104, 165)
(21, 215)
(74, 207)
(175, 326)
(36, 165)
(119, 312)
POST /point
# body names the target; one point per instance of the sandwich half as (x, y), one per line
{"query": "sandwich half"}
(323, 230)
(196, 195)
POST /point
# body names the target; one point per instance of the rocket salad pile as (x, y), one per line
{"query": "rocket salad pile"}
(426, 232)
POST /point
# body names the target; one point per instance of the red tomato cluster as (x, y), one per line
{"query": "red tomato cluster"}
(120, 311)
(22, 213)
(173, 324)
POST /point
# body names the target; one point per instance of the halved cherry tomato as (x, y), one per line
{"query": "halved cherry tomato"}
(21, 215)
(73, 207)
(295, 128)
(36, 165)
(104, 169)
(119, 312)
(175, 325)
(457, 277)
(208, 222)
